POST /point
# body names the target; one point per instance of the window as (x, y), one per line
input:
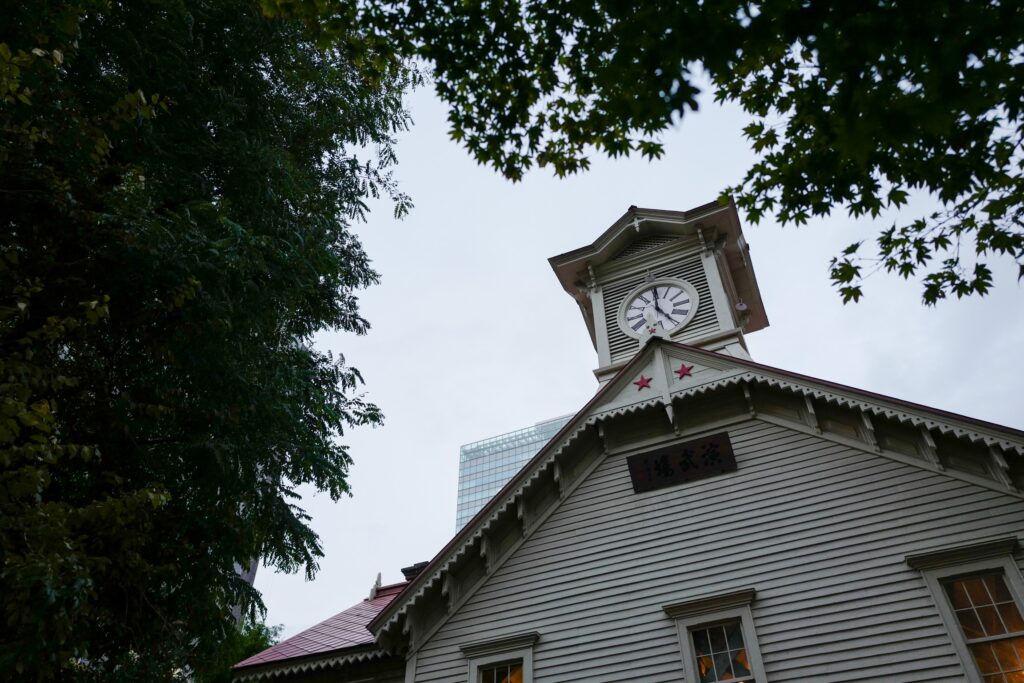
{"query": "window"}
(720, 652)
(990, 623)
(508, 659)
(978, 589)
(717, 638)
(506, 672)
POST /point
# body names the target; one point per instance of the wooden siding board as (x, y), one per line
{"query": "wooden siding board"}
(826, 646)
(839, 532)
(778, 473)
(874, 666)
(630, 554)
(551, 608)
(594, 611)
(597, 635)
(774, 524)
(590, 601)
(774, 487)
(849, 606)
(823, 545)
(807, 632)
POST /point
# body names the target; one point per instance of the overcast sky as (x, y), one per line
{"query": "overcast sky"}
(473, 336)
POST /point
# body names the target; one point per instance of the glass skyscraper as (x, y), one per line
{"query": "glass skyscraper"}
(485, 466)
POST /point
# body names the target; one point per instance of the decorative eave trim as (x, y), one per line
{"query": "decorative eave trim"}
(899, 414)
(622, 222)
(960, 554)
(482, 648)
(710, 603)
(623, 410)
(287, 667)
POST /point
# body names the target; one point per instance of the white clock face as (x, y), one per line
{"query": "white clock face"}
(664, 306)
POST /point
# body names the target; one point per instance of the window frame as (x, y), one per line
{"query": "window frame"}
(480, 668)
(484, 653)
(940, 566)
(716, 609)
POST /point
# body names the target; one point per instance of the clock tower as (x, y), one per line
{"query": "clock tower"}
(680, 275)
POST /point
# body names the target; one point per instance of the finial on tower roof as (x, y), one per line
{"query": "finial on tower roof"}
(375, 587)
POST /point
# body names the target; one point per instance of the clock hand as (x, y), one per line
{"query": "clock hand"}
(663, 316)
(654, 304)
(667, 315)
(663, 312)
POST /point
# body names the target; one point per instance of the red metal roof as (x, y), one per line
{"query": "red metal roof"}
(343, 630)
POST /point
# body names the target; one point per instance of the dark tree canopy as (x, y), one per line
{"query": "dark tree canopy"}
(248, 639)
(853, 106)
(177, 184)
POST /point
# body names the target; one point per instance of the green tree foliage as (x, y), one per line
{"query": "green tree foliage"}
(854, 106)
(178, 179)
(248, 639)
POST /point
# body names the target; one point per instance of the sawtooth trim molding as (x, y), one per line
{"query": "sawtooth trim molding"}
(942, 426)
(269, 671)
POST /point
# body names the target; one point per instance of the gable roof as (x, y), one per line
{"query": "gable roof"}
(716, 370)
(343, 635)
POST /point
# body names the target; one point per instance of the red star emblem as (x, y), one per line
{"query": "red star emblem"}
(685, 371)
(643, 383)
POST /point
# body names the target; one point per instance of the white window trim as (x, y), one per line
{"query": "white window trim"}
(976, 558)
(484, 653)
(709, 609)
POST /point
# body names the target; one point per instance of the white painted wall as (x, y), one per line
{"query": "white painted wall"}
(819, 529)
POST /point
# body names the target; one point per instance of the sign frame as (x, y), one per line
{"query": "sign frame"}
(680, 463)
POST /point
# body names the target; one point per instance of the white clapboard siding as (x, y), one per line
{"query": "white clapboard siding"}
(819, 529)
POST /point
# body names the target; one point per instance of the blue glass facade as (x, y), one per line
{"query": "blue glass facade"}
(485, 466)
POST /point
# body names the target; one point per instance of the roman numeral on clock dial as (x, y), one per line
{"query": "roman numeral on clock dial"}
(661, 306)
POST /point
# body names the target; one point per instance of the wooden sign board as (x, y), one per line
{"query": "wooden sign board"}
(680, 463)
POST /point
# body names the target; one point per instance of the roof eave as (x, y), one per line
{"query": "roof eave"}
(574, 269)
(293, 665)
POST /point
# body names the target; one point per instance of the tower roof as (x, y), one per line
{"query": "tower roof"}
(716, 223)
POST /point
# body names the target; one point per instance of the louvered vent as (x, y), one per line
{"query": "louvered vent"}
(644, 244)
(704, 323)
